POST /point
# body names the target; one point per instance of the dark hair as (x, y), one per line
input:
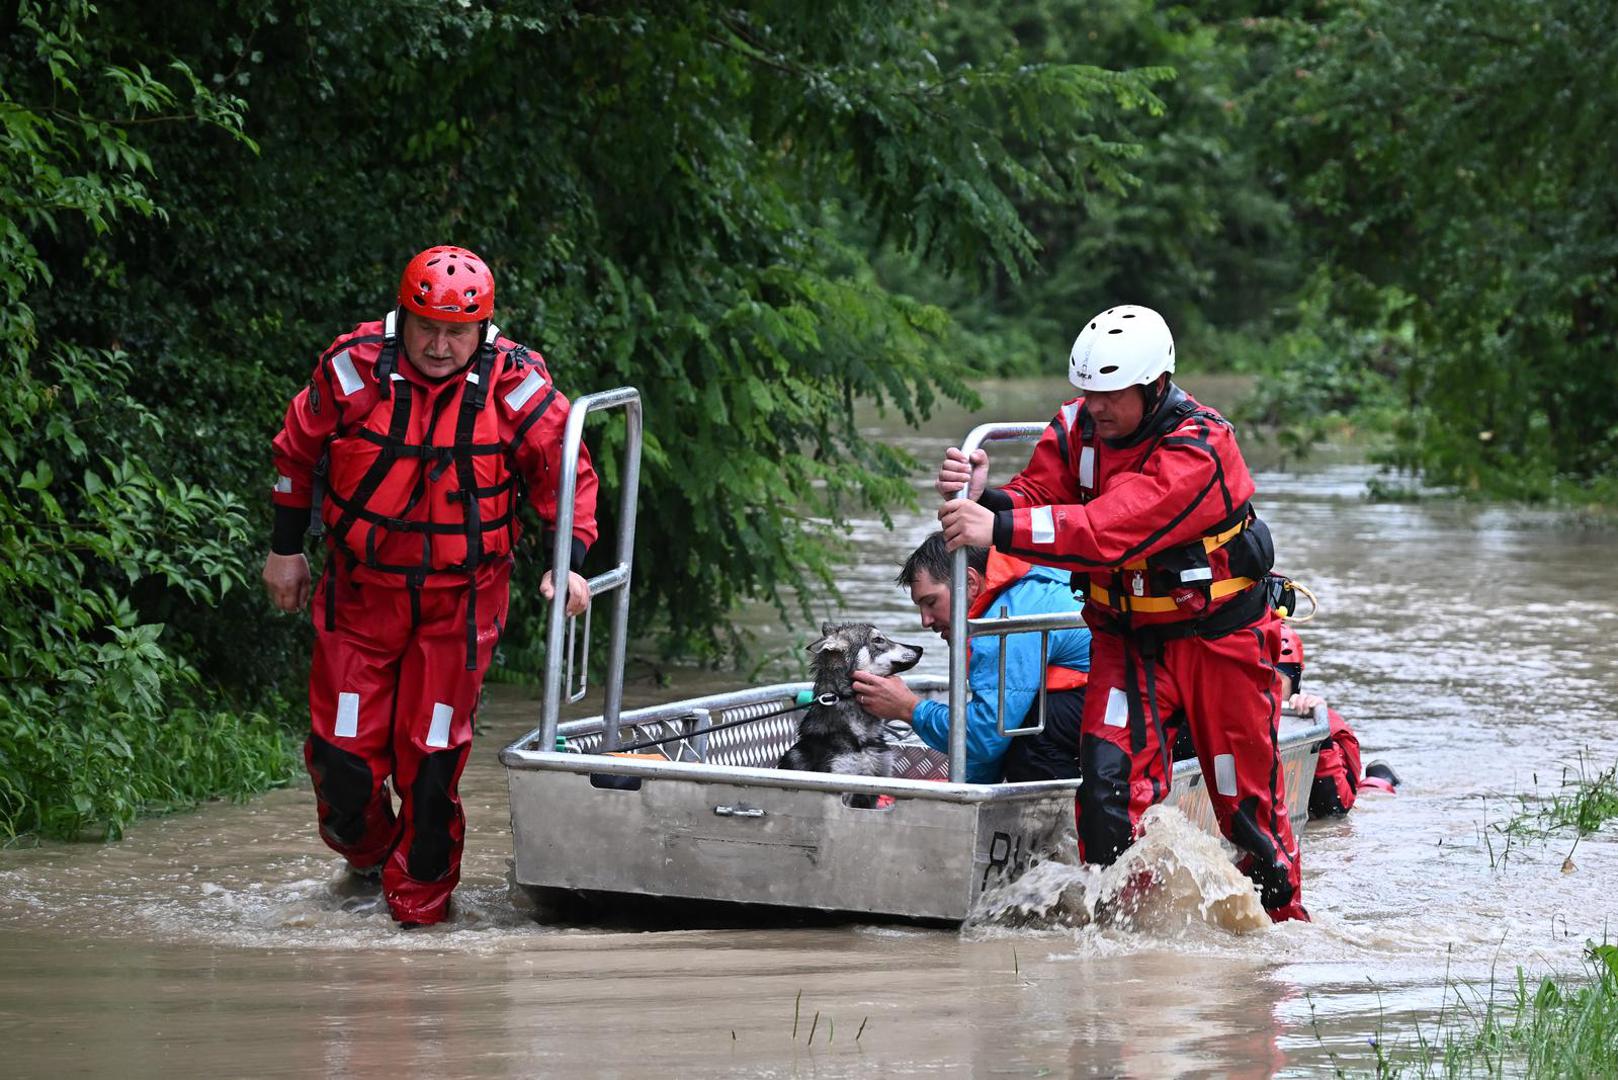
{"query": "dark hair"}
(933, 557)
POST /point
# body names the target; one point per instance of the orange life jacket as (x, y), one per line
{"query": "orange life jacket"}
(1002, 572)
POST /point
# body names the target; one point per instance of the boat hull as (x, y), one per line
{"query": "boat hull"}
(714, 821)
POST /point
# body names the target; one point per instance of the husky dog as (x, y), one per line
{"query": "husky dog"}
(836, 735)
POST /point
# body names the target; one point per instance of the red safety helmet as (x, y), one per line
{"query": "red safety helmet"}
(1291, 648)
(450, 284)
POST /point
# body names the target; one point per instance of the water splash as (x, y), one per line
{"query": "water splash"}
(1173, 877)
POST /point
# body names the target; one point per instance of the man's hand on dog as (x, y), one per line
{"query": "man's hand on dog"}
(957, 473)
(966, 523)
(884, 696)
(578, 591)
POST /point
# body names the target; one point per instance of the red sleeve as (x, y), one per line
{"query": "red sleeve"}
(540, 415)
(1048, 478)
(310, 421)
(1181, 492)
(1348, 744)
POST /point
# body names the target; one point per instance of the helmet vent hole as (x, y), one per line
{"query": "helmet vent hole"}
(1109, 369)
(1131, 315)
(1116, 330)
(450, 270)
(435, 262)
(1092, 326)
(471, 309)
(469, 293)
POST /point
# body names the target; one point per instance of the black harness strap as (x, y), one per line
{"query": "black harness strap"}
(429, 450)
(330, 574)
(532, 418)
(474, 393)
(435, 528)
(1062, 437)
(398, 428)
(387, 361)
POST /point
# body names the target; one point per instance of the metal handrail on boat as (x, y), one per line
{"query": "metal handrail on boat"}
(615, 580)
(960, 629)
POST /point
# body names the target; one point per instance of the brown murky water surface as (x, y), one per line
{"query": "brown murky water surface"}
(1472, 648)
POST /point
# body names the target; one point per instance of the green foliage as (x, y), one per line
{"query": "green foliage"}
(1552, 1028)
(1444, 151)
(663, 194)
(200, 196)
(99, 717)
(1324, 374)
(1192, 229)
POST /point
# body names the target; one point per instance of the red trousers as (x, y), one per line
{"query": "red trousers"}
(1230, 694)
(392, 693)
(1337, 772)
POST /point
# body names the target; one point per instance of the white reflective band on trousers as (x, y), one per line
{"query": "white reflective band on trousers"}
(348, 716)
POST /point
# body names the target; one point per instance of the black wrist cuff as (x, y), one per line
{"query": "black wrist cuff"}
(1003, 522)
(995, 499)
(286, 535)
(575, 557)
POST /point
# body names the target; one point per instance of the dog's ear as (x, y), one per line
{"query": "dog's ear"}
(827, 644)
(826, 628)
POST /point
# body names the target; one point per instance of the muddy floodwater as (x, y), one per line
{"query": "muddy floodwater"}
(1475, 649)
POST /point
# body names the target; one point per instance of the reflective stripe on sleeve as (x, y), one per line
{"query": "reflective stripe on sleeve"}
(525, 390)
(347, 378)
(1042, 525)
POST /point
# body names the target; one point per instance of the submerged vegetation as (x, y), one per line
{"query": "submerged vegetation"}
(757, 213)
(1552, 1028)
(1582, 804)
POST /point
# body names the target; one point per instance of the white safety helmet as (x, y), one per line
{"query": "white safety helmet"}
(1123, 346)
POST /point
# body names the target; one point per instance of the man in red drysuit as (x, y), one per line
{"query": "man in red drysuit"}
(415, 441)
(1338, 780)
(1143, 494)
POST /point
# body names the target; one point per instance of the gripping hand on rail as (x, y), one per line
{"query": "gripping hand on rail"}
(578, 591)
(966, 524)
(956, 472)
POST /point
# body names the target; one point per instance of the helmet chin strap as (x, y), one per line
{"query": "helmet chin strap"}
(1152, 397)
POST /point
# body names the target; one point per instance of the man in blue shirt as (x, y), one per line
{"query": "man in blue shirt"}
(994, 581)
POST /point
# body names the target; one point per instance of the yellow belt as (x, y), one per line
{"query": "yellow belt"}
(1156, 605)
